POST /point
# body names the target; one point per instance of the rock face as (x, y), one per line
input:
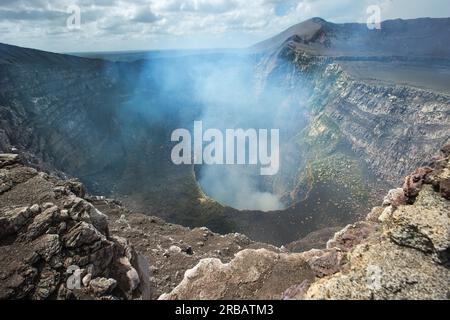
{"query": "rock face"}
(406, 255)
(393, 128)
(400, 251)
(56, 245)
(252, 274)
(384, 271)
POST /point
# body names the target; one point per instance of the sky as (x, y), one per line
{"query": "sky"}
(118, 25)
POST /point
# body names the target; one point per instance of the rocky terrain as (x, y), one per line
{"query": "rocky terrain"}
(50, 233)
(48, 226)
(172, 249)
(400, 251)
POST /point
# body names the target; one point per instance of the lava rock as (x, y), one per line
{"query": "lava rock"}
(102, 286)
(252, 274)
(444, 188)
(414, 182)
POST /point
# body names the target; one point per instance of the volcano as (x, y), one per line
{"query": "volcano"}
(357, 109)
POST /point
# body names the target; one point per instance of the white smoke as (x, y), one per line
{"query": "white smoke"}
(234, 186)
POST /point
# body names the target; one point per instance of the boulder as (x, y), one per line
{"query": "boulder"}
(413, 183)
(82, 234)
(424, 226)
(42, 222)
(324, 262)
(395, 197)
(81, 210)
(102, 286)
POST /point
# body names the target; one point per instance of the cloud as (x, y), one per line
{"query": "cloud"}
(199, 6)
(182, 23)
(31, 15)
(145, 15)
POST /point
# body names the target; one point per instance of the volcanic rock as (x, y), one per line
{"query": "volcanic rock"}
(406, 256)
(400, 251)
(48, 238)
(252, 274)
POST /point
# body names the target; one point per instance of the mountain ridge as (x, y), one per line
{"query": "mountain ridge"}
(395, 38)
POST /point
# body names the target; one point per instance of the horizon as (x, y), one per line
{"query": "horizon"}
(200, 49)
(77, 26)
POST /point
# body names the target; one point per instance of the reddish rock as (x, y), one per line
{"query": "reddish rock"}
(324, 262)
(395, 197)
(296, 292)
(351, 235)
(444, 188)
(413, 183)
(445, 150)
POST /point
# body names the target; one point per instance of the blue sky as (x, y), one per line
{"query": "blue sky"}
(111, 25)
